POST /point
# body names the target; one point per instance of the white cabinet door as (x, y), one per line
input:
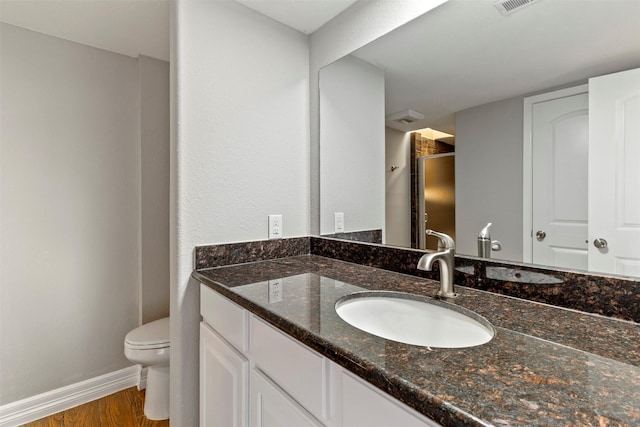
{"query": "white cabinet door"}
(271, 407)
(223, 382)
(614, 173)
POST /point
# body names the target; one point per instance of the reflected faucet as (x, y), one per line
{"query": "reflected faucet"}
(446, 249)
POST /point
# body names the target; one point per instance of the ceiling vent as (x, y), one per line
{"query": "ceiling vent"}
(507, 7)
(405, 117)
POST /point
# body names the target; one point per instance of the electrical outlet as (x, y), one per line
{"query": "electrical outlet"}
(275, 226)
(338, 223)
(275, 290)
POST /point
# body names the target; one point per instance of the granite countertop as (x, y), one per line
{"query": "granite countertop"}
(546, 366)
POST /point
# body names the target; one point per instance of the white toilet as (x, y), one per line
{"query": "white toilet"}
(148, 346)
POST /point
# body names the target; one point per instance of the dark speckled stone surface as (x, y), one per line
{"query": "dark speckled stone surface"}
(369, 236)
(610, 296)
(238, 253)
(546, 366)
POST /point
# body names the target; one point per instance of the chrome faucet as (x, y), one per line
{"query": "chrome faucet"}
(446, 249)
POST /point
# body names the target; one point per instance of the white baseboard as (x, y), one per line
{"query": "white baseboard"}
(54, 401)
(143, 379)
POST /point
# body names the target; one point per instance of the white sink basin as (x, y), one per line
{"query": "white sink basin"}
(414, 320)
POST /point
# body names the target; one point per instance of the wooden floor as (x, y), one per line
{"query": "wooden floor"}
(124, 409)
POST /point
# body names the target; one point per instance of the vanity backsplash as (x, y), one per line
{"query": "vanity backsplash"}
(616, 297)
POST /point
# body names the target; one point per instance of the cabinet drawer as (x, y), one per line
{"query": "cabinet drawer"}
(272, 408)
(298, 370)
(225, 317)
(364, 405)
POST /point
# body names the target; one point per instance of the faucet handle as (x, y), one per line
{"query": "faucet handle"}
(445, 241)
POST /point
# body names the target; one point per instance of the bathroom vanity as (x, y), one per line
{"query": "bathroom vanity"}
(274, 352)
(250, 368)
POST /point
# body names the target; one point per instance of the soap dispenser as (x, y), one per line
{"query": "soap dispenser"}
(484, 242)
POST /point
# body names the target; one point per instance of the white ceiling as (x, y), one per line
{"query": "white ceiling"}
(304, 15)
(133, 27)
(465, 53)
(462, 54)
(128, 27)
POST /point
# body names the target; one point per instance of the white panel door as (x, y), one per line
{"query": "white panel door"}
(223, 382)
(614, 178)
(559, 140)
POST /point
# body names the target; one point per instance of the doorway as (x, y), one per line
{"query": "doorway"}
(437, 204)
(423, 147)
(596, 176)
(559, 138)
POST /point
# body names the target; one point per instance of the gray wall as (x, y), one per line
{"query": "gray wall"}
(489, 176)
(71, 215)
(398, 188)
(154, 141)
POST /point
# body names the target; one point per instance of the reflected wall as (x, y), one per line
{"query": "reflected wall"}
(352, 132)
(489, 177)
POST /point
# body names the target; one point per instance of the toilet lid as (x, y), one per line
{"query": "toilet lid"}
(154, 334)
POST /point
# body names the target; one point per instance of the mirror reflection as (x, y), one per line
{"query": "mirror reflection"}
(529, 106)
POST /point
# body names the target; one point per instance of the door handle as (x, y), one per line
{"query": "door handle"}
(600, 243)
(540, 235)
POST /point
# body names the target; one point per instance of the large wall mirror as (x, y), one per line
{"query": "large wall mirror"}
(468, 82)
